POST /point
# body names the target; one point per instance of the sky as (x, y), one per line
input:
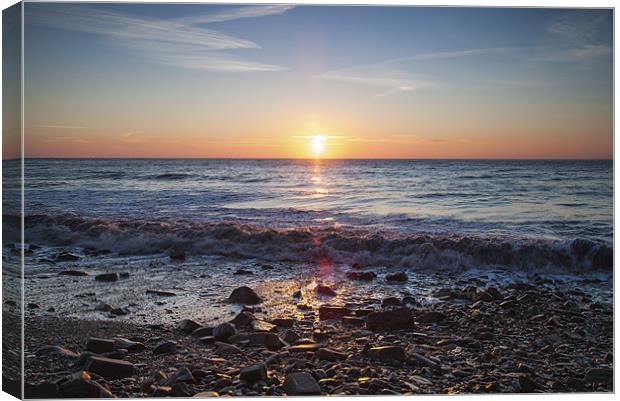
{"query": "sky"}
(265, 81)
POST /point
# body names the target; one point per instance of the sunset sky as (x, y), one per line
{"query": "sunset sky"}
(139, 80)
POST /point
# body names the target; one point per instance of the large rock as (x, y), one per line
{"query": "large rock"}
(166, 347)
(76, 273)
(253, 374)
(187, 326)
(131, 346)
(243, 319)
(203, 331)
(301, 383)
(223, 332)
(224, 349)
(108, 368)
(399, 277)
(326, 354)
(396, 319)
(364, 276)
(245, 295)
(107, 277)
(100, 345)
(388, 353)
(268, 340)
(323, 289)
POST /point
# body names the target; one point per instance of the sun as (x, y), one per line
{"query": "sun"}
(318, 145)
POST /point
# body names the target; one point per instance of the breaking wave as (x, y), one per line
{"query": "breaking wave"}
(336, 245)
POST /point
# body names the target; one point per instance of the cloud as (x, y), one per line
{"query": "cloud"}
(178, 42)
(582, 35)
(74, 139)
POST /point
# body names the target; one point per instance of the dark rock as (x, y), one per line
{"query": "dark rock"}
(80, 385)
(243, 272)
(262, 326)
(387, 353)
(301, 383)
(76, 273)
(352, 320)
(161, 293)
(268, 340)
(297, 294)
(203, 331)
(67, 257)
(131, 346)
(283, 322)
(399, 277)
(396, 319)
(313, 347)
(527, 385)
(119, 311)
(333, 312)
(32, 305)
(430, 317)
(166, 347)
(108, 368)
(390, 301)
(187, 326)
(364, 276)
(176, 253)
(109, 277)
(253, 374)
(224, 349)
(290, 336)
(59, 352)
(223, 332)
(184, 375)
(162, 391)
(102, 306)
(243, 319)
(326, 354)
(244, 295)
(323, 289)
(100, 345)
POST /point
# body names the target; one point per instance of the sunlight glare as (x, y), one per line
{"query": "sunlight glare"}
(318, 144)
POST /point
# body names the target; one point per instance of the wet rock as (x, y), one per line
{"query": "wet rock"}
(599, 375)
(32, 305)
(58, 352)
(253, 374)
(283, 322)
(166, 347)
(224, 349)
(290, 336)
(387, 353)
(80, 385)
(262, 326)
(67, 257)
(266, 267)
(390, 301)
(76, 273)
(187, 326)
(333, 312)
(184, 375)
(396, 319)
(326, 354)
(223, 332)
(430, 317)
(108, 368)
(131, 346)
(244, 295)
(119, 311)
(243, 319)
(203, 331)
(161, 293)
(312, 347)
(268, 340)
(301, 383)
(399, 277)
(297, 294)
(241, 272)
(108, 277)
(99, 345)
(323, 289)
(363, 276)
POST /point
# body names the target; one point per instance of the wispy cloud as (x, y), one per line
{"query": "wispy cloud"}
(582, 34)
(59, 126)
(180, 42)
(75, 139)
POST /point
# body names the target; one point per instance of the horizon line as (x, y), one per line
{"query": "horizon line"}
(308, 158)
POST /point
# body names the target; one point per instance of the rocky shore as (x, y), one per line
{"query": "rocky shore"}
(522, 337)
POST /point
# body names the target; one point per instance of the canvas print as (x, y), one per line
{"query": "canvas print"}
(207, 200)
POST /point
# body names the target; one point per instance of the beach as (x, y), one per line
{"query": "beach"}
(187, 284)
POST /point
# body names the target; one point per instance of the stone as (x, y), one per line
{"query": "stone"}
(131, 346)
(67, 257)
(203, 331)
(109, 277)
(244, 295)
(41, 390)
(99, 345)
(305, 347)
(599, 375)
(390, 301)
(103, 307)
(177, 253)
(527, 385)
(327, 354)
(243, 272)
(290, 336)
(161, 293)
(108, 368)
(333, 312)
(301, 383)
(399, 277)
(119, 311)
(268, 340)
(353, 321)
(283, 322)
(364, 276)
(243, 319)
(387, 353)
(262, 326)
(224, 349)
(166, 347)
(76, 273)
(323, 289)
(206, 394)
(187, 326)
(80, 385)
(430, 317)
(223, 332)
(59, 352)
(396, 319)
(184, 375)
(253, 374)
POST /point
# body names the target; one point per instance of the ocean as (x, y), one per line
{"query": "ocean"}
(536, 215)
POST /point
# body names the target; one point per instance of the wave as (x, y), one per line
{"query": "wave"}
(170, 176)
(335, 245)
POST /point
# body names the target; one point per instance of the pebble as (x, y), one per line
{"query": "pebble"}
(253, 374)
(109, 368)
(301, 383)
(244, 295)
(388, 353)
(109, 277)
(99, 345)
(223, 332)
(399, 277)
(396, 319)
(166, 347)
